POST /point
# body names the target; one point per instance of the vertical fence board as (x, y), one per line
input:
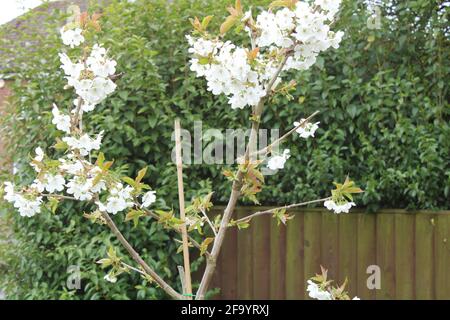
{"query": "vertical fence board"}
(312, 245)
(228, 264)
(367, 249)
(277, 260)
(216, 283)
(261, 256)
(330, 244)
(442, 256)
(244, 260)
(386, 255)
(294, 258)
(424, 257)
(348, 232)
(404, 256)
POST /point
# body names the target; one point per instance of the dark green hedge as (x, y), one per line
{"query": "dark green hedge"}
(383, 98)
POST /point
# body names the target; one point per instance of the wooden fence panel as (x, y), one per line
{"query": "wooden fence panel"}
(266, 261)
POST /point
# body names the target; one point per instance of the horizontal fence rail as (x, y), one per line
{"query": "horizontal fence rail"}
(267, 261)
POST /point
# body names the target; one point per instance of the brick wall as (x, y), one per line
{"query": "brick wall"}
(4, 93)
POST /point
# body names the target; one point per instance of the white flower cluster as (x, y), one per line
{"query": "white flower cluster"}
(91, 80)
(72, 37)
(84, 144)
(315, 292)
(338, 207)
(120, 199)
(306, 29)
(228, 68)
(27, 205)
(73, 173)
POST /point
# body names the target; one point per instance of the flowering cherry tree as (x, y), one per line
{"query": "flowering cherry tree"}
(289, 35)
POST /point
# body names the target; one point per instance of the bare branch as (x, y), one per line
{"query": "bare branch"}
(260, 213)
(59, 196)
(286, 135)
(136, 257)
(153, 215)
(209, 222)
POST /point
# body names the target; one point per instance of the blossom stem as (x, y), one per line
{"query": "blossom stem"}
(269, 211)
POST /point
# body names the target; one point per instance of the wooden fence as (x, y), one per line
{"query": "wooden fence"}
(268, 261)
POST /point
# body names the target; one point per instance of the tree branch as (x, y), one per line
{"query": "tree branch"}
(260, 213)
(136, 257)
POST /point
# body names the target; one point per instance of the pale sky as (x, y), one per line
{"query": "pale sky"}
(9, 9)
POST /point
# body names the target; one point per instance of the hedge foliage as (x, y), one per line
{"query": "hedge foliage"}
(383, 97)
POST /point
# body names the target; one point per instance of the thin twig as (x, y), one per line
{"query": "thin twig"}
(209, 222)
(286, 135)
(52, 195)
(153, 215)
(135, 269)
(269, 211)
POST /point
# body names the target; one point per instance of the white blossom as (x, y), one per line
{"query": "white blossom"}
(316, 292)
(38, 186)
(110, 278)
(39, 154)
(80, 188)
(277, 162)
(148, 198)
(54, 182)
(117, 204)
(72, 70)
(61, 121)
(307, 130)
(38, 158)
